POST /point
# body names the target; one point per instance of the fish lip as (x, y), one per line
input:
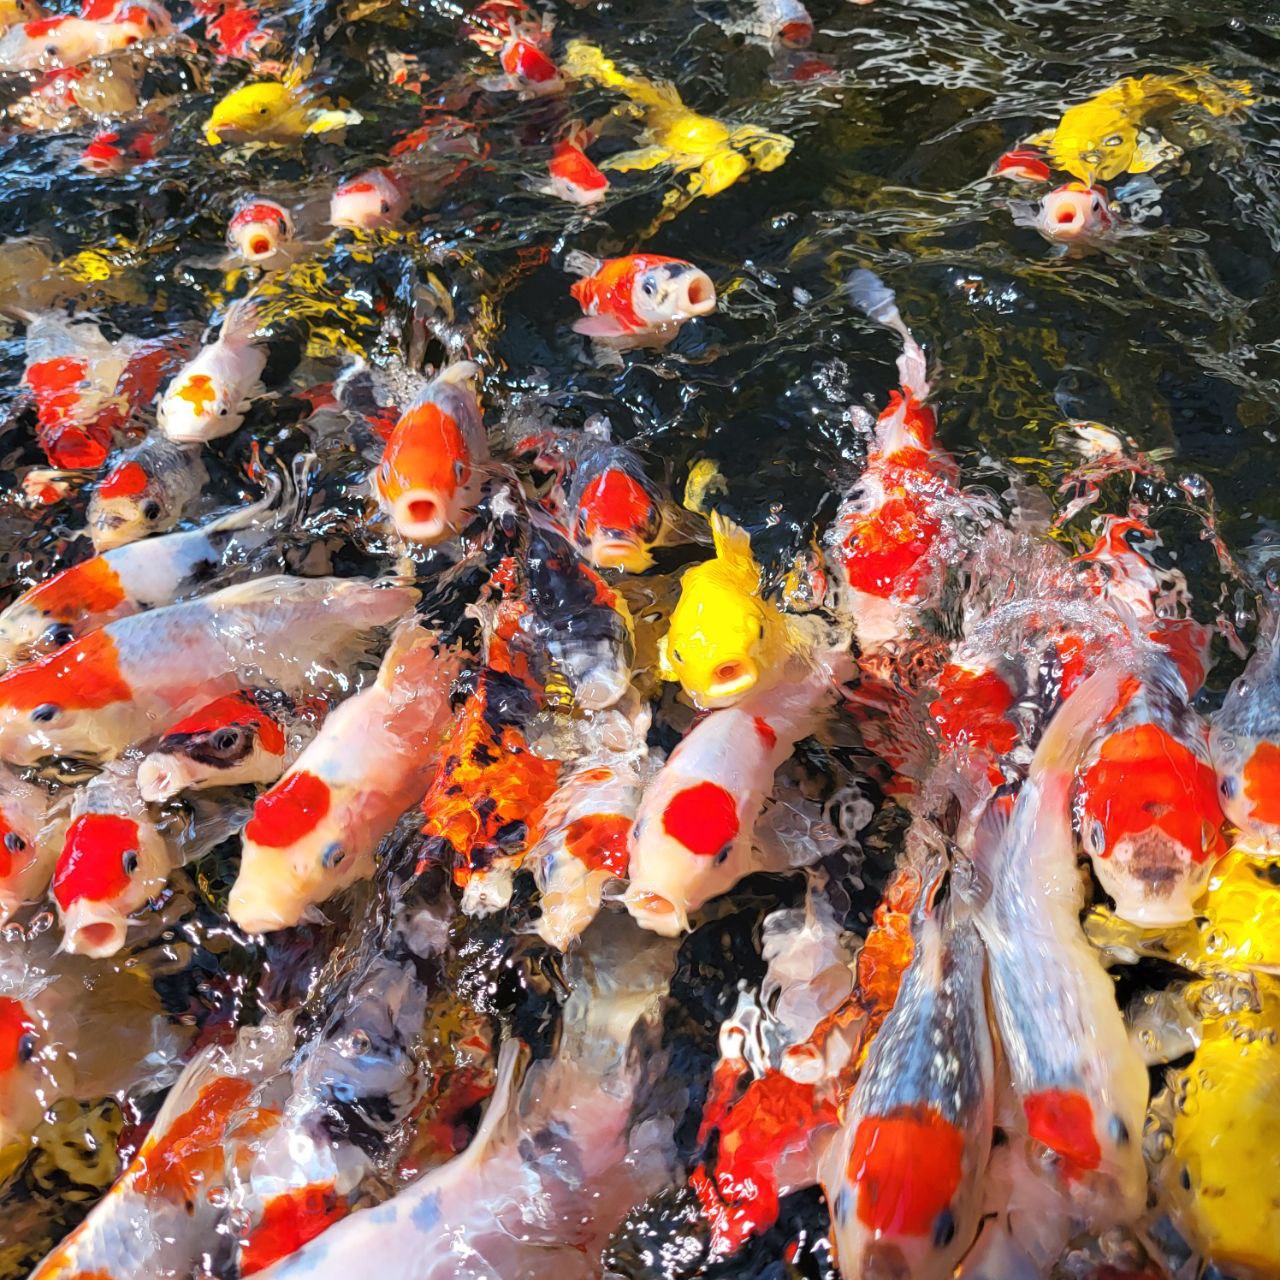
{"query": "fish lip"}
(655, 911)
(161, 777)
(619, 553)
(699, 294)
(407, 513)
(92, 930)
(255, 912)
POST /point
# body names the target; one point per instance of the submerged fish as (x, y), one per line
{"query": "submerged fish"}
(260, 231)
(615, 512)
(639, 300)
(277, 112)
(144, 490)
(30, 840)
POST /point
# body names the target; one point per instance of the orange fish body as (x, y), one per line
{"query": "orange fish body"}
(574, 177)
(642, 296)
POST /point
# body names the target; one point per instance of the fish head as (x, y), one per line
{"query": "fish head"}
(110, 864)
(1151, 823)
(197, 406)
(74, 702)
(247, 111)
(293, 854)
(1248, 775)
(617, 518)
(227, 743)
(425, 471)
(1094, 145)
(1073, 214)
(259, 229)
(686, 848)
(719, 640)
(128, 503)
(142, 19)
(670, 293)
(367, 201)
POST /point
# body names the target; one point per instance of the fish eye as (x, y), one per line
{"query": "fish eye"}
(944, 1229)
(27, 1047)
(1114, 141)
(151, 509)
(129, 861)
(1119, 1131)
(59, 633)
(384, 206)
(226, 740)
(14, 842)
(677, 655)
(332, 856)
(262, 111)
(46, 713)
(1228, 787)
(649, 289)
(1185, 1178)
(1096, 836)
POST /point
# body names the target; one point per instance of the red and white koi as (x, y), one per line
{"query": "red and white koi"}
(1081, 1084)
(521, 49)
(132, 678)
(1073, 217)
(432, 467)
(574, 176)
(260, 232)
(210, 395)
(144, 490)
(30, 838)
(784, 24)
(615, 512)
(317, 829)
(693, 834)
(639, 300)
(123, 147)
(373, 199)
(51, 43)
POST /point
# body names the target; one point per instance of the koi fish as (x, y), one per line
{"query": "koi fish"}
(30, 837)
(693, 835)
(123, 683)
(275, 112)
(144, 490)
(376, 198)
(127, 580)
(578, 628)
(1081, 1085)
(639, 300)
(579, 1103)
(1023, 164)
(573, 175)
(527, 69)
(113, 861)
(62, 42)
(211, 393)
(783, 24)
(429, 478)
(587, 823)
(725, 640)
(1074, 216)
(615, 511)
(1245, 744)
(317, 829)
(232, 741)
(260, 231)
(123, 147)
(1109, 134)
(15, 12)
(904, 1176)
(713, 153)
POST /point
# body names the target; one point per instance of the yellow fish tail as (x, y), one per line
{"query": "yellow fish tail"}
(733, 551)
(328, 121)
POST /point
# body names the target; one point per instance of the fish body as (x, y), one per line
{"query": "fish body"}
(527, 68)
(1108, 135)
(373, 199)
(642, 298)
(574, 176)
(615, 511)
(317, 829)
(905, 1175)
(211, 393)
(123, 581)
(144, 490)
(260, 231)
(714, 153)
(431, 471)
(123, 147)
(1080, 1083)
(578, 627)
(30, 838)
(50, 43)
(693, 834)
(725, 639)
(275, 112)
(1245, 745)
(231, 741)
(132, 678)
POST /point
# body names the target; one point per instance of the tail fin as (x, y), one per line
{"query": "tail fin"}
(331, 120)
(240, 321)
(458, 373)
(242, 517)
(879, 304)
(733, 550)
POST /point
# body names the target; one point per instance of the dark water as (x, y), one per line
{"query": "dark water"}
(1171, 337)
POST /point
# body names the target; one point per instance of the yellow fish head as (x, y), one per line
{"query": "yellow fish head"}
(1094, 145)
(248, 110)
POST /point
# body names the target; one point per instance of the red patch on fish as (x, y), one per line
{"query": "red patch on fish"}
(15, 1022)
(765, 733)
(972, 706)
(128, 480)
(906, 1166)
(92, 861)
(240, 710)
(291, 809)
(1062, 1119)
(86, 590)
(523, 59)
(1177, 792)
(571, 164)
(43, 26)
(1024, 164)
(615, 502)
(703, 818)
(288, 1221)
(1262, 782)
(599, 842)
(81, 676)
(884, 552)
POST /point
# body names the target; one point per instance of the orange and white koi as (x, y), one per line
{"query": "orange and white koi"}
(1073, 217)
(113, 861)
(144, 490)
(233, 740)
(210, 395)
(316, 831)
(430, 475)
(574, 176)
(65, 41)
(615, 512)
(132, 678)
(1245, 743)
(260, 231)
(30, 838)
(639, 300)
(127, 580)
(887, 532)
(693, 834)
(527, 67)
(1081, 1084)
(373, 199)
(904, 1177)
(783, 24)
